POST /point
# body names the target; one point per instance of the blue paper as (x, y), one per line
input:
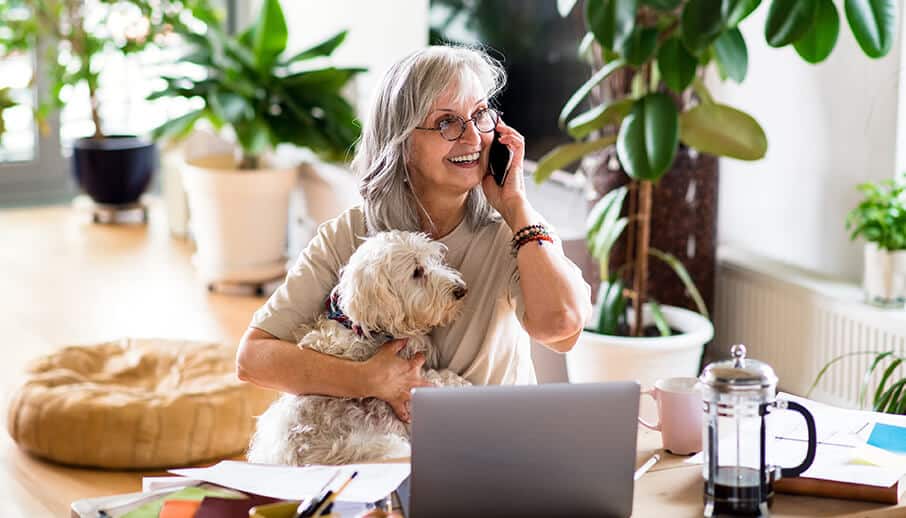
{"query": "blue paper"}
(888, 437)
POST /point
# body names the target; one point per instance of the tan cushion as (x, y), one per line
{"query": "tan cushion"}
(135, 404)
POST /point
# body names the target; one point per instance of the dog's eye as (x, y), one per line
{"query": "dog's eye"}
(419, 271)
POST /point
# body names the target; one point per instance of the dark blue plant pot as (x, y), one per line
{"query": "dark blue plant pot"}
(114, 170)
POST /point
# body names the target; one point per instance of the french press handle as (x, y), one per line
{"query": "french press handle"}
(812, 438)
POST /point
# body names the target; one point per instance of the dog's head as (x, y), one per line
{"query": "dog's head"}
(397, 282)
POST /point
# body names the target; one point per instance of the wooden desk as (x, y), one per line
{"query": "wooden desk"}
(66, 281)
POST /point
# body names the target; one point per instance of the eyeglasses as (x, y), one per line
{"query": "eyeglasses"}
(452, 127)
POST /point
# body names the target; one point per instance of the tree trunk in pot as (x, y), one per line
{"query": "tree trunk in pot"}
(683, 223)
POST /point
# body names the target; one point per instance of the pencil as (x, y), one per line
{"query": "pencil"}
(645, 467)
(333, 496)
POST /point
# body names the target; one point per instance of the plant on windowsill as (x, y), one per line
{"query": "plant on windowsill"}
(661, 50)
(880, 218)
(258, 98)
(73, 38)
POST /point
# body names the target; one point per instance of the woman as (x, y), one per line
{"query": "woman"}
(423, 163)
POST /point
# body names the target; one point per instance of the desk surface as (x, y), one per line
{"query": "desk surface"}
(67, 281)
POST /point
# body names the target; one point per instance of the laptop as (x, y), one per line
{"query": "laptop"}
(537, 450)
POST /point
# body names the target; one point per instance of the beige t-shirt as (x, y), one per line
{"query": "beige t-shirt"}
(486, 344)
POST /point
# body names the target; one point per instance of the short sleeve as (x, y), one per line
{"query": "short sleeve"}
(300, 299)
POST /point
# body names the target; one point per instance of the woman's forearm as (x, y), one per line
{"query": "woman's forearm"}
(269, 362)
(557, 300)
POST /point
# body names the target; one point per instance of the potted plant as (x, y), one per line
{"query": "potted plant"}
(880, 218)
(259, 98)
(657, 52)
(76, 35)
(888, 399)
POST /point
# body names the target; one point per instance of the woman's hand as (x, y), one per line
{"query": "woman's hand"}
(392, 378)
(510, 197)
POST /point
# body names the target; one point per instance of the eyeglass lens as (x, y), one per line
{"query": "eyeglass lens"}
(485, 121)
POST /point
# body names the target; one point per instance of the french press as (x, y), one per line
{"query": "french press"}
(737, 396)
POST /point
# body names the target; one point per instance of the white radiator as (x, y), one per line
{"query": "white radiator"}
(797, 321)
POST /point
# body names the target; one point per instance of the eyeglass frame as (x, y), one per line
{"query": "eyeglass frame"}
(464, 122)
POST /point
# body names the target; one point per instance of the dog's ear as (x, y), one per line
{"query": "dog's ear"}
(365, 295)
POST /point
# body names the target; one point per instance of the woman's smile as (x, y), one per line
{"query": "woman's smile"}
(465, 160)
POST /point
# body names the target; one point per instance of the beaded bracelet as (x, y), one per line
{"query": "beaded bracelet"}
(538, 233)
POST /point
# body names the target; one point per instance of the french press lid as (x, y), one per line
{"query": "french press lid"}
(739, 373)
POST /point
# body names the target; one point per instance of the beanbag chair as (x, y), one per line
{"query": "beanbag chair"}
(135, 404)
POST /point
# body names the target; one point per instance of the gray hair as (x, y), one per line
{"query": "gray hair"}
(404, 98)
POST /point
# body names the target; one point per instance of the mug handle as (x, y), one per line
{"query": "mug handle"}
(812, 439)
(656, 426)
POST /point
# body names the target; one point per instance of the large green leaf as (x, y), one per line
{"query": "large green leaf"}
(562, 156)
(646, 144)
(818, 42)
(585, 89)
(639, 46)
(269, 34)
(732, 56)
(598, 117)
(788, 20)
(676, 65)
(178, 127)
(735, 11)
(611, 21)
(721, 130)
(701, 23)
(323, 49)
(873, 23)
(322, 80)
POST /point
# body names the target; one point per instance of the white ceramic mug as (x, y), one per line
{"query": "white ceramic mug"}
(679, 410)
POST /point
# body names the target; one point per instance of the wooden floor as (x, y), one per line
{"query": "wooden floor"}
(67, 281)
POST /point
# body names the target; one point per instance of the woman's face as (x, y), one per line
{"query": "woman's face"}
(435, 164)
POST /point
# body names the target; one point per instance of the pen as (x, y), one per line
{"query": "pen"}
(307, 508)
(332, 495)
(645, 467)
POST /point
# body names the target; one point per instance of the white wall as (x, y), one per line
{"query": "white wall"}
(829, 127)
(380, 33)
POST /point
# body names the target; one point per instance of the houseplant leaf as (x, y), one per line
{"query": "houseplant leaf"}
(684, 277)
(721, 130)
(639, 45)
(735, 11)
(598, 117)
(323, 49)
(646, 143)
(611, 21)
(676, 64)
(866, 378)
(585, 89)
(269, 34)
(873, 23)
(658, 317)
(818, 42)
(701, 24)
(732, 56)
(663, 5)
(611, 305)
(562, 156)
(609, 204)
(788, 20)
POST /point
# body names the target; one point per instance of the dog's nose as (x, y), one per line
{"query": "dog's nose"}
(460, 292)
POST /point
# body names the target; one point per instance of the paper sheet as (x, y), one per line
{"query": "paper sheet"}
(374, 481)
(841, 433)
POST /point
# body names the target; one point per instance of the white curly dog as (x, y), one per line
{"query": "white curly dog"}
(395, 285)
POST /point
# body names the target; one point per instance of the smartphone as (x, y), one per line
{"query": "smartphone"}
(498, 160)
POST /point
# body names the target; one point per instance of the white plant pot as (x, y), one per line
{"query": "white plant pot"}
(597, 357)
(238, 219)
(884, 278)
